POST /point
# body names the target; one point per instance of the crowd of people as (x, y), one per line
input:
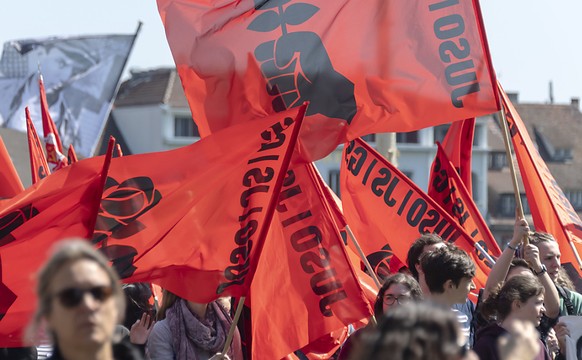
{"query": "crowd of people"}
(422, 311)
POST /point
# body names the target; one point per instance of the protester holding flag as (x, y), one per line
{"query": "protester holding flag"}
(188, 330)
(520, 298)
(81, 301)
(550, 254)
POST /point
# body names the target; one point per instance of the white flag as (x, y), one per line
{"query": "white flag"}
(81, 75)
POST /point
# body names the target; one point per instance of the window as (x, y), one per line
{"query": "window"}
(370, 139)
(333, 179)
(507, 205)
(475, 180)
(497, 160)
(184, 126)
(440, 132)
(407, 137)
(407, 173)
(562, 155)
(575, 198)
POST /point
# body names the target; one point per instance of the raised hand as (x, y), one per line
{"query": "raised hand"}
(140, 331)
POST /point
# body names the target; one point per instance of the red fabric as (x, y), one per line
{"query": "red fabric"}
(305, 287)
(10, 184)
(550, 209)
(458, 147)
(197, 214)
(39, 168)
(396, 264)
(408, 65)
(386, 208)
(63, 205)
(447, 189)
(52, 140)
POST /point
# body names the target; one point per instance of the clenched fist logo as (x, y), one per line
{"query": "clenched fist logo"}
(297, 66)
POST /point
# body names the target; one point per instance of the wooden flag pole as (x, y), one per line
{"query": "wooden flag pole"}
(230, 336)
(363, 257)
(505, 129)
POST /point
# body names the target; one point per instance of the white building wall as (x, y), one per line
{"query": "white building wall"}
(416, 160)
(150, 128)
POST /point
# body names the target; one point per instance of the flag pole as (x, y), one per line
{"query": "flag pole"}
(505, 130)
(230, 336)
(363, 257)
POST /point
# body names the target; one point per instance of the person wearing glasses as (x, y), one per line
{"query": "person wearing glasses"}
(397, 289)
(81, 301)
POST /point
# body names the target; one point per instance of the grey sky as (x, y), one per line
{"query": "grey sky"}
(531, 41)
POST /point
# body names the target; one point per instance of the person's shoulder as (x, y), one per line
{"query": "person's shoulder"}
(161, 330)
(576, 299)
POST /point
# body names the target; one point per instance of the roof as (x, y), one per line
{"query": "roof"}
(552, 128)
(158, 86)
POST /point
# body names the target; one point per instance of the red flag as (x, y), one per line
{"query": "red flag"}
(447, 189)
(10, 184)
(72, 155)
(382, 203)
(410, 65)
(38, 165)
(197, 214)
(458, 147)
(550, 209)
(61, 206)
(52, 141)
(305, 256)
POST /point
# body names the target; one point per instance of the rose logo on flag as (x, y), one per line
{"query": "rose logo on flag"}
(297, 66)
(380, 261)
(121, 205)
(13, 220)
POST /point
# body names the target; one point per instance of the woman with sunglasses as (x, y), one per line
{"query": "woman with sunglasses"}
(80, 300)
(186, 330)
(397, 289)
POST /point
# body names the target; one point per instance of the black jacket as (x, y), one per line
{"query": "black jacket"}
(122, 351)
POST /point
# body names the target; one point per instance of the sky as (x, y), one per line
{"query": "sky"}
(532, 42)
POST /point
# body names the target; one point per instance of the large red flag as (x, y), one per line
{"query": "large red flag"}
(10, 184)
(550, 209)
(52, 140)
(60, 206)
(197, 214)
(305, 256)
(39, 168)
(372, 66)
(385, 207)
(458, 147)
(448, 190)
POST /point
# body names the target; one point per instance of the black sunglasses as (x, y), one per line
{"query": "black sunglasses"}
(72, 297)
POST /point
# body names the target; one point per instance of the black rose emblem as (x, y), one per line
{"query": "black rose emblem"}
(121, 205)
(14, 219)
